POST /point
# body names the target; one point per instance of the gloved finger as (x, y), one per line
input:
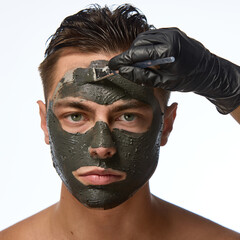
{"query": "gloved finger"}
(156, 36)
(138, 54)
(149, 38)
(146, 76)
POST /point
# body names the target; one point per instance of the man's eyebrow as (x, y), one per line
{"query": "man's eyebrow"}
(73, 104)
(129, 105)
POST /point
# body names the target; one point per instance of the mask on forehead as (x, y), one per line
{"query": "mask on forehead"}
(136, 153)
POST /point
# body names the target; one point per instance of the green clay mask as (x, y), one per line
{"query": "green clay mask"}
(136, 154)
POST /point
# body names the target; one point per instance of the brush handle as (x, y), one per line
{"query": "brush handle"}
(150, 63)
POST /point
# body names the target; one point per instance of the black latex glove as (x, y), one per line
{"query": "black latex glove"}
(195, 69)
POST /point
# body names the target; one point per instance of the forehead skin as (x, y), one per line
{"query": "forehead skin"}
(70, 58)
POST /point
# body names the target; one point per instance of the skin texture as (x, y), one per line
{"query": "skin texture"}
(142, 216)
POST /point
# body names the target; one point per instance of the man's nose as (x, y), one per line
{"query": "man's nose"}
(102, 152)
(102, 145)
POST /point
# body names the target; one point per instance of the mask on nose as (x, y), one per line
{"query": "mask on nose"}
(136, 153)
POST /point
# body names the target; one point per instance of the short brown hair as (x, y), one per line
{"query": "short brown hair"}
(93, 30)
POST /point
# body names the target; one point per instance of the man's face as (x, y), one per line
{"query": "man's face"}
(104, 136)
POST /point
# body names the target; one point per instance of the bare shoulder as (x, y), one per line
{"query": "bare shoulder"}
(187, 225)
(35, 227)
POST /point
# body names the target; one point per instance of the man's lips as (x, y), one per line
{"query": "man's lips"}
(90, 175)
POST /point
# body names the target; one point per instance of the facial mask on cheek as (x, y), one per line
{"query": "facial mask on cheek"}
(136, 155)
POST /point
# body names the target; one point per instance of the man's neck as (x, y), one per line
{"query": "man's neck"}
(81, 222)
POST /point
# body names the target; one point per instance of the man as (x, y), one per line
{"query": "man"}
(105, 135)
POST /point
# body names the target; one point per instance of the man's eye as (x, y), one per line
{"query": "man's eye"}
(127, 117)
(76, 117)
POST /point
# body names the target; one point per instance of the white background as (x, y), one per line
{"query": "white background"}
(199, 167)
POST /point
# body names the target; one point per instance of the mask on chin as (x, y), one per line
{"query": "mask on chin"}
(136, 153)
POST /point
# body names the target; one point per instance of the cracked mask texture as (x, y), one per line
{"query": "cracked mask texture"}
(136, 153)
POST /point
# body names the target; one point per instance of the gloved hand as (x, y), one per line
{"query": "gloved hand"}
(195, 69)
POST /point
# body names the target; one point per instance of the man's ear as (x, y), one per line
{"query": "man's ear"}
(43, 116)
(169, 117)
